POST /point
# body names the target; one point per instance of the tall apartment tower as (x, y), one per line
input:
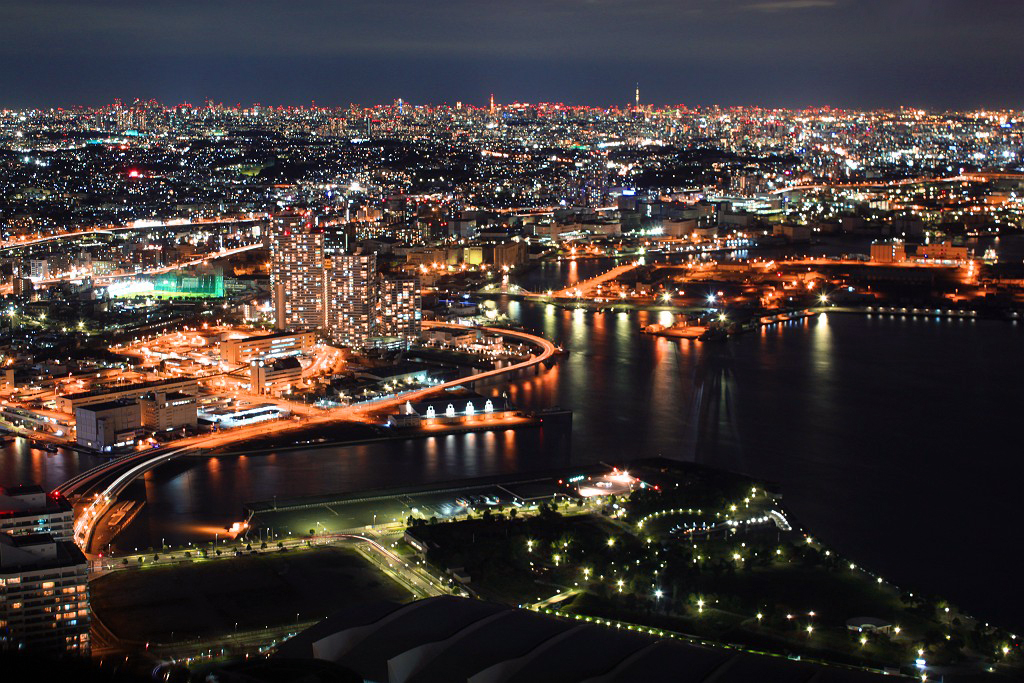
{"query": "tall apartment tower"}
(44, 597)
(317, 286)
(352, 298)
(297, 273)
(399, 312)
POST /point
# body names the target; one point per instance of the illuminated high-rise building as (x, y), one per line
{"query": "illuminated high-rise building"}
(399, 311)
(318, 286)
(351, 298)
(44, 596)
(297, 273)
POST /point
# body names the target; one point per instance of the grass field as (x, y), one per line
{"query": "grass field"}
(209, 598)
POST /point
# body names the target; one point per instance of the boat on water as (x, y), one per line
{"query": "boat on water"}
(713, 334)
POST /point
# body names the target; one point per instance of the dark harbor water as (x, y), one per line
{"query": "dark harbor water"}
(896, 440)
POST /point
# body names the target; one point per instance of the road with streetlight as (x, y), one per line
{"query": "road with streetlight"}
(374, 547)
(116, 474)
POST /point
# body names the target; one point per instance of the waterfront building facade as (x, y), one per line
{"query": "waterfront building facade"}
(44, 597)
(27, 509)
(69, 403)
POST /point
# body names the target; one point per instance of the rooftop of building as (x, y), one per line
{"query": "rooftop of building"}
(108, 405)
(138, 386)
(16, 554)
(264, 337)
(21, 490)
(455, 639)
(18, 501)
(236, 409)
(171, 396)
(397, 370)
(280, 364)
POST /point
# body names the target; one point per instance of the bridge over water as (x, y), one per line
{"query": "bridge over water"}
(582, 289)
(116, 475)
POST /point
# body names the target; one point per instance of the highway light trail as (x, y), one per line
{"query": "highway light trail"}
(142, 462)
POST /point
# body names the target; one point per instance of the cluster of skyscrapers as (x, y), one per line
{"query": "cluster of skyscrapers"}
(342, 294)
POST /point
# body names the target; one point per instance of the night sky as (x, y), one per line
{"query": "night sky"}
(787, 53)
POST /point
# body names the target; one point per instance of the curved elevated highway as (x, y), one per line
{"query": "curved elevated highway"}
(115, 475)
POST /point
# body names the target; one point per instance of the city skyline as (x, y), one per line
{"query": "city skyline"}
(568, 340)
(789, 53)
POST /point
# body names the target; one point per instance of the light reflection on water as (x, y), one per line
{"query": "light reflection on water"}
(23, 463)
(868, 423)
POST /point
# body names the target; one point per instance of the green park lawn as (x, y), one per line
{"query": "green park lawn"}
(158, 604)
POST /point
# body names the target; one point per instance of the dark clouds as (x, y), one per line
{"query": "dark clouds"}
(858, 53)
